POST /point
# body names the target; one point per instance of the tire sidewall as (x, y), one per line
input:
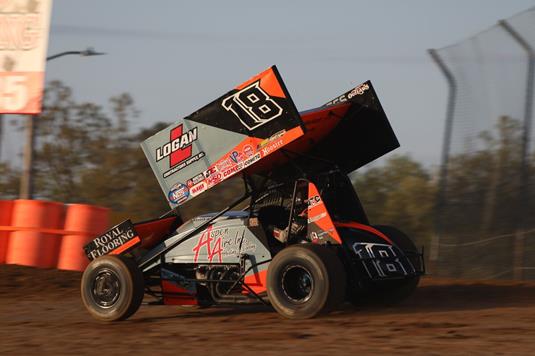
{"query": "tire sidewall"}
(126, 288)
(303, 257)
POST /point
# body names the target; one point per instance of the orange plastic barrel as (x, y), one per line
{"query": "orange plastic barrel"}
(35, 248)
(89, 219)
(6, 208)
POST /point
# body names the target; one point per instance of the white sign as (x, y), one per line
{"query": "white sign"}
(24, 28)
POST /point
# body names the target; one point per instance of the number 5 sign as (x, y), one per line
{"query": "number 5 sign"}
(23, 43)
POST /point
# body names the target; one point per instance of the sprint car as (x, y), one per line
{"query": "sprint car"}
(300, 239)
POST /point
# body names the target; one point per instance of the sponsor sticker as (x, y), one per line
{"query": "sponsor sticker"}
(198, 189)
(315, 200)
(117, 236)
(236, 156)
(317, 217)
(314, 235)
(251, 160)
(178, 194)
(359, 90)
(248, 150)
(272, 147)
(192, 181)
(224, 164)
(215, 244)
(273, 137)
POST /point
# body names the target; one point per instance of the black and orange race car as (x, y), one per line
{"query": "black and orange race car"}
(298, 239)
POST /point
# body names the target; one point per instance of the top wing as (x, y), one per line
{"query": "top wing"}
(348, 131)
(226, 136)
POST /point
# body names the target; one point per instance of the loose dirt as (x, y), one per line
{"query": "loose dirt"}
(41, 313)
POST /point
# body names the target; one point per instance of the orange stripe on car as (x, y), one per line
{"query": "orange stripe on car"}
(126, 246)
(356, 225)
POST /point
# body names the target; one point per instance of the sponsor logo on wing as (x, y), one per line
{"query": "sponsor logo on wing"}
(179, 146)
(359, 90)
(178, 193)
(198, 189)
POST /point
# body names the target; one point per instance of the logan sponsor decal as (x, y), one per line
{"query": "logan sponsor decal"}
(184, 164)
(179, 150)
(111, 240)
(179, 193)
(217, 243)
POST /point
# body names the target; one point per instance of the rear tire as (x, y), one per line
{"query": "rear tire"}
(112, 288)
(305, 280)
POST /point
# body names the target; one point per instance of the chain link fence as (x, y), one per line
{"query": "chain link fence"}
(485, 212)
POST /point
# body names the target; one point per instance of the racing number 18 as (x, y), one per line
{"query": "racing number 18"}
(253, 106)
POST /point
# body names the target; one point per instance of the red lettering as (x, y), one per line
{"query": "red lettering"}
(204, 240)
(216, 250)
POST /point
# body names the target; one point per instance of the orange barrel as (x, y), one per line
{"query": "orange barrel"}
(91, 221)
(6, 208)
(35, 247)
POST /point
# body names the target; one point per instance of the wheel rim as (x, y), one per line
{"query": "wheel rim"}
(297, 284)
(106, 288)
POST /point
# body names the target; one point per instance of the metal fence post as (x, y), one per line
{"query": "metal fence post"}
(524, 169)
(446, 143)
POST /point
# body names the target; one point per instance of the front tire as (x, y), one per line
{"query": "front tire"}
(112, 288)
(305, 280)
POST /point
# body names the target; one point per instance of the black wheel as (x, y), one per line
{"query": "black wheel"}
(305, 280)
(390, 292)
(112, 288)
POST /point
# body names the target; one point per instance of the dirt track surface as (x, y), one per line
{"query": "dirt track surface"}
(41, 313)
